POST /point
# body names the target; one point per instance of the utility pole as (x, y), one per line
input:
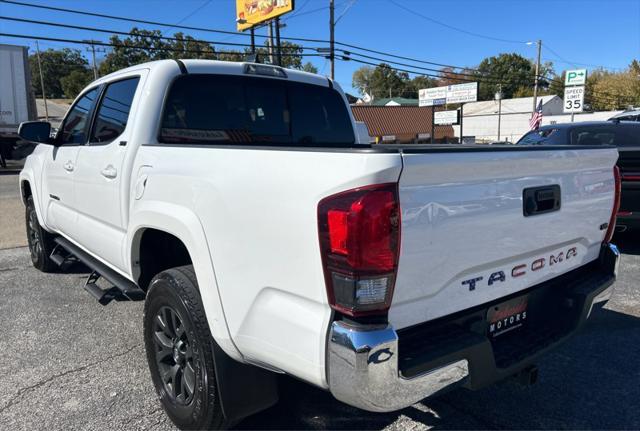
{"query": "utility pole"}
(93, 55)
(253, 40)
(537, 78)
(278, 43)
(93, 49)
(44, 94)
(271, 42)
(332, 47)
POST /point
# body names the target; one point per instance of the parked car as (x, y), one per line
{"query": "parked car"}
(268, 237)
(630, 115)
(622, 134)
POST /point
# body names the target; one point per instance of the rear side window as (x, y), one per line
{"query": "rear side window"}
(627, 135)
(203, 109)
(113, 112)
(600, 135)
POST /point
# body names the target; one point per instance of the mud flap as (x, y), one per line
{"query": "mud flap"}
(243, 389)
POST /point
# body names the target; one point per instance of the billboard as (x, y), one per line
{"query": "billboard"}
(253, 12)
(459, 93)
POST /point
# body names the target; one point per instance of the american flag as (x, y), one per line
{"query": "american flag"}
(536, 118)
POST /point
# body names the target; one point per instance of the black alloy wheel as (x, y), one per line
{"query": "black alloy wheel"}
(180, 352)
(40, 242)
(174, 356)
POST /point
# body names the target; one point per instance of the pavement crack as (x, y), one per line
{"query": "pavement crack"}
(22, 391)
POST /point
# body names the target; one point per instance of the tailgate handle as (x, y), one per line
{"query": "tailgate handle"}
(540, 200)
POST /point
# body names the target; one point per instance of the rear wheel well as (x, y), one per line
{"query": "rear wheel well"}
(159, 251)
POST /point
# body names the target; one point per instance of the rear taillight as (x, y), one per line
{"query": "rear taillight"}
(616, 205)
(360, 242)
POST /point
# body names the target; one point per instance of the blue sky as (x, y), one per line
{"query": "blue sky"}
(582, 32)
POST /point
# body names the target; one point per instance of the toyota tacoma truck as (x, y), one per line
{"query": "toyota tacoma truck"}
(245, 206)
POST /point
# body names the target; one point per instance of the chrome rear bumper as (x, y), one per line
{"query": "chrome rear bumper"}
(363, 370)
(363, 360)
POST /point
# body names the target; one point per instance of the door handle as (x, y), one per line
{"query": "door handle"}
(68, 166)
(109, 172)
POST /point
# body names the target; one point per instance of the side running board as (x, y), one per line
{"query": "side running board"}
(123, 289)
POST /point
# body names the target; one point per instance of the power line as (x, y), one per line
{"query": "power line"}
(124, 33)
(147, 48)
(451, 27)
(576, 64)
(480, 77)
(345, 10)
(456, 75)
(148, 22)
(139, 21)
(296, 15)
(192, 13)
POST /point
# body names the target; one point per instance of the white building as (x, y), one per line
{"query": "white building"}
(481, 118)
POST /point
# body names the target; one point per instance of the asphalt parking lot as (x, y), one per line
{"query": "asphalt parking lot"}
(70, 363)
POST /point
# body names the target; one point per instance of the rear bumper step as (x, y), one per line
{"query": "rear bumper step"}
(123, 289)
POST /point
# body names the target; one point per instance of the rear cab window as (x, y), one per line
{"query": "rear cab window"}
(248, 110)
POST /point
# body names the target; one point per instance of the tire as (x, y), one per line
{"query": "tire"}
(41, 242)
(179, 349)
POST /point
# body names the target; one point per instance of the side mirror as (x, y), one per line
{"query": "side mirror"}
(36, 131)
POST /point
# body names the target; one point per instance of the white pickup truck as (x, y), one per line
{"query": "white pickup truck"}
(268, 237)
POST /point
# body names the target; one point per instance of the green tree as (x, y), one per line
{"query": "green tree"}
(75, 81)
(56, 64)
(413, 86)
(361, 80)
(513, 70)
(148, 45)
(141, 46)
(387, 82)
(309, 67)
(614, 90)
(291, 54)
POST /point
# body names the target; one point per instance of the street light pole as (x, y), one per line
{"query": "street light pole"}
(537, 78)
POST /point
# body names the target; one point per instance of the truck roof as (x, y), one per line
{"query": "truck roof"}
(224, 68)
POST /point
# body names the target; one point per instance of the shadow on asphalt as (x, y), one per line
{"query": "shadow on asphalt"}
(590, 382)
(628, 242)
(8, 171)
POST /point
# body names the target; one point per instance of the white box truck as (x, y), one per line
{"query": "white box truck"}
(17, 102)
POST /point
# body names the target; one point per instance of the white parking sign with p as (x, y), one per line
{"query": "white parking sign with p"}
(575, 77)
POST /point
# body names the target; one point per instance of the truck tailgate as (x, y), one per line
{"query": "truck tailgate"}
(465, 237)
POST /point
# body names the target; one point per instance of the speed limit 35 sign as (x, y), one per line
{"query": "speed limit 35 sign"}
(573, 99)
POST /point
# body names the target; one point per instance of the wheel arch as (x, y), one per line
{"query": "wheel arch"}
(27, 190)
(171, 225)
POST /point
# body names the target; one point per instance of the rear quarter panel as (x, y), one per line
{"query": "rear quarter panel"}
(258, 212)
